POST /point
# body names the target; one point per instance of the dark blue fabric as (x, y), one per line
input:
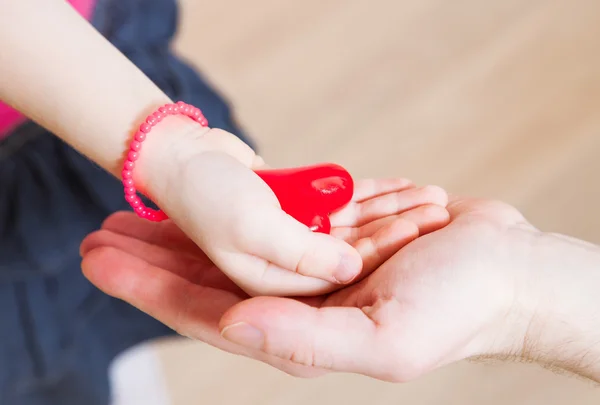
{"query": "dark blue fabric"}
(58, 333)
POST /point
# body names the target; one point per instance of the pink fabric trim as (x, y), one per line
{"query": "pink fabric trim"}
(11, 118)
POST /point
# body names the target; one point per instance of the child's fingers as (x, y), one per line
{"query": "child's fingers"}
(241, 227)
(280, 250)
(357, 214)
(370, 188)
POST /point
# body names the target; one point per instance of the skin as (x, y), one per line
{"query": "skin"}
(158, 269)
(488, 284)
(202, 178)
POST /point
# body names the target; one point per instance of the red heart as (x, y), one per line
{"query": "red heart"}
(310, 194)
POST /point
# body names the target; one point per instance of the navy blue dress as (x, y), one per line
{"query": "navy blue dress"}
(58, 333)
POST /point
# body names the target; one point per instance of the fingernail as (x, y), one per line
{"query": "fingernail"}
(245, 335)
(346, 270)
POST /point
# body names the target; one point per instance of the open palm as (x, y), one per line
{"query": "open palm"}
(158, 269)
(447, 296)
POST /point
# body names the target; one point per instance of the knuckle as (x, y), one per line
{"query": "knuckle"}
(307, 357)
(302, 357)
(305, 264)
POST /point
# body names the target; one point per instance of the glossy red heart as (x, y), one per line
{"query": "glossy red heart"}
(310, 194)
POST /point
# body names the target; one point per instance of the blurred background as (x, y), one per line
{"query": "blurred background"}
(492, 98)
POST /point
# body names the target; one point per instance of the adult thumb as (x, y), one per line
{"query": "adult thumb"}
(334, 338)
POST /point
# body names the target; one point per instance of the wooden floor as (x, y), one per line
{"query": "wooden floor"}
(496, 98)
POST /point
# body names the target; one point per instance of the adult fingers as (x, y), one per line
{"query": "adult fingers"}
(377, 248)
(358, 214)
(191, 310)
(427, 218)
(194, 268)
(370, 188)
(164, 233)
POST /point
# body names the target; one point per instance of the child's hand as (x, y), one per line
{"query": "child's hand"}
(202, 178)
(235, 219)
(383, 216)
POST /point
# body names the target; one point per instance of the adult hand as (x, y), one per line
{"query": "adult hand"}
(488, 284)
(157, 268)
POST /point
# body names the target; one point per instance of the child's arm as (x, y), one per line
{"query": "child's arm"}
(56, 69)
(59, 71)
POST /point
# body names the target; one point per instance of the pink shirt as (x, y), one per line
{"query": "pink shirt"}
(10, 118)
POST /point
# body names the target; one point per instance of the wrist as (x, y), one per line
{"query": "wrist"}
(562, 305)
(166, 147)
(169, 150)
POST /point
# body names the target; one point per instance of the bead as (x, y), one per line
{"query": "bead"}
(134, 153)
(133, 156)
(136, 146)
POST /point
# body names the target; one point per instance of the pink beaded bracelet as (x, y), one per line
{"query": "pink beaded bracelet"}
(179, 108)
